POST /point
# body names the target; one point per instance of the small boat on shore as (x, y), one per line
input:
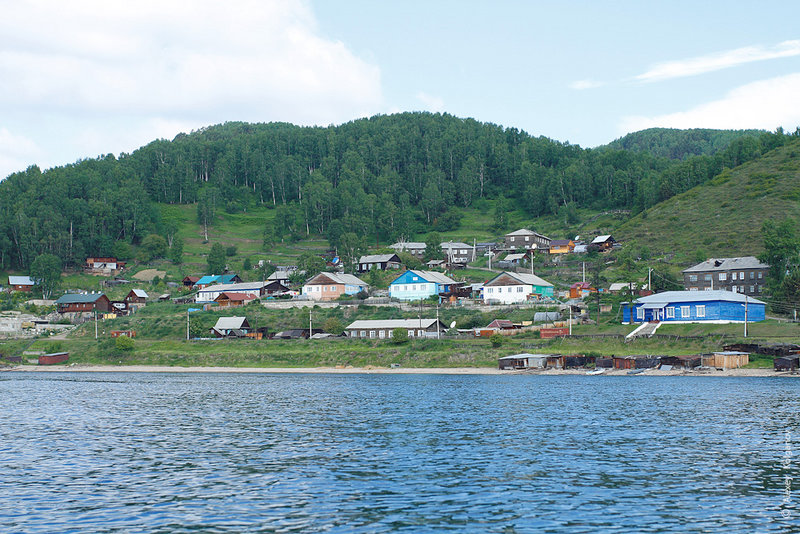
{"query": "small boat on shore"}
(53, 358)
(596, 372)
(636, 371)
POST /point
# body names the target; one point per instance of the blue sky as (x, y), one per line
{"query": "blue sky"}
(92, 77)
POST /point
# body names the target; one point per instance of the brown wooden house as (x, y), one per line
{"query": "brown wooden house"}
(83, 303)
(232, 299)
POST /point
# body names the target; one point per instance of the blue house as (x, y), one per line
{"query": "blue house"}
(416, 285)
(693, 307)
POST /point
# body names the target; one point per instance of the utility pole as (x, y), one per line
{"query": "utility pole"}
(95, 323)
(570, 319)
(438, 335)
(583, 267)
(649, 285)
(187, 324)
(309, 324)
(745, 315)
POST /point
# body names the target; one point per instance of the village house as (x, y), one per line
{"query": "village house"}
(275, 287)
(104, 266)
(20, 283)
(210, 293)
(281, 276)
(603, 243)
(527, 239)
(231, 300)
(231, 327)
(416, 285)
(136, 298)
(562, 246)
(330, 286)
(382, 262)
(415, 248)
(456, 253)
(741, 275)
(217, 279)
(83, 303)
(694, 307)
(511, 288)
(190, 281)
(383, 329)
(580, 290)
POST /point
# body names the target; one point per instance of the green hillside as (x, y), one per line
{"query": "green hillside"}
(679, 144)
(723, 217)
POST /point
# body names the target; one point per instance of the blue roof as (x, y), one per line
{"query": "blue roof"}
(668, 297)
(216, 279)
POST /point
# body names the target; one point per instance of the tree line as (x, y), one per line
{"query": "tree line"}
(382, 178)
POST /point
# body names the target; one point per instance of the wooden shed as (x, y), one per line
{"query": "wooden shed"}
(728, 359)
(682, 362)
(522, 361)
(578, 360)
(636, 362)
(787, 363)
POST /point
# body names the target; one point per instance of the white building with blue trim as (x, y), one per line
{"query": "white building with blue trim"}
(694, 307)
(417, 285)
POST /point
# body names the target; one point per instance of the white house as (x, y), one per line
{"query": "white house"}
(510, 288)
(210, 293)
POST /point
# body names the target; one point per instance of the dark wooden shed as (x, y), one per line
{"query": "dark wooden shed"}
(787, 363)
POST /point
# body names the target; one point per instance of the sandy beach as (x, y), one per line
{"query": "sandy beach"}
(85, 368)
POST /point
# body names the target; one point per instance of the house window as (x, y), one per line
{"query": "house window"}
(701, 310)
(759, 275)
(640, 313)
(381, 334)
(499, 289)
(670, 313)
(414, 287)
(733, 288)
(752, 289)
(363, 333)
(751, 275)
(491, 290)
(723, 276)
(741, 289)
(372, 333)
(693, 278)
(390, 333)
(707, 277)
(684, 312)
(527, 238)
(519, 289)
(410, 333)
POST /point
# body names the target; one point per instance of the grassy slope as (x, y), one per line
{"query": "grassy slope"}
(724, 216)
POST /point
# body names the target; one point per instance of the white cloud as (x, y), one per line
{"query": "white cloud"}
(717, 61)
(580, 85)
(430, 102)
(17, 152)
(131, 65)
(764, 104)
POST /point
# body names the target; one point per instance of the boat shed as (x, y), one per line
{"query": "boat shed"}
(523, 361)
(787, 363)
(636, 362)
(727, 359)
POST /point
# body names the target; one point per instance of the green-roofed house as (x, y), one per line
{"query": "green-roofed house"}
(83, 303)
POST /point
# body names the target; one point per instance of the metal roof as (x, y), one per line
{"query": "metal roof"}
(601, 239)
(338, 278)
(671, 297)
(524, 278)
(230, 323)
(376, 258)
(408, 245)
(433, 276)
(141, 293)
(244, 286)
(20, 281)
(454, 244)
(514, 257)
(727, 264)
(78, 298)
(523, 355)
(391, 323)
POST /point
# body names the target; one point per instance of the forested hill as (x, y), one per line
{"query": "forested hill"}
(394, 176)
(680, 144)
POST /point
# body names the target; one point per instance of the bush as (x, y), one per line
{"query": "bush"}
(124, 343)
(399, 336)
(230, 251)
(496, 340)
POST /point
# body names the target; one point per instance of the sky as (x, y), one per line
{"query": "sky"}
(85, 78)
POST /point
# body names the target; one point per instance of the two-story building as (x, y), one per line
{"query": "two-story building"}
(527, 239)
(20, 283)
(83, 303)
(417, 285)
(740, 275)
(415, 248)
(458, 253)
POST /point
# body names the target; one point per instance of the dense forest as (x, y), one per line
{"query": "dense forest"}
(680, 144)
(395, 176)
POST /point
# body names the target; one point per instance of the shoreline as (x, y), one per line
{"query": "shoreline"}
(90, 368)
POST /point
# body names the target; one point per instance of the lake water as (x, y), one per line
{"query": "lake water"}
(211, 452)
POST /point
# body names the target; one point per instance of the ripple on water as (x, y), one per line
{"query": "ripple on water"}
(379, 453)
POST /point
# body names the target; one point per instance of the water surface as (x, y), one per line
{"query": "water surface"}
(107, 452)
